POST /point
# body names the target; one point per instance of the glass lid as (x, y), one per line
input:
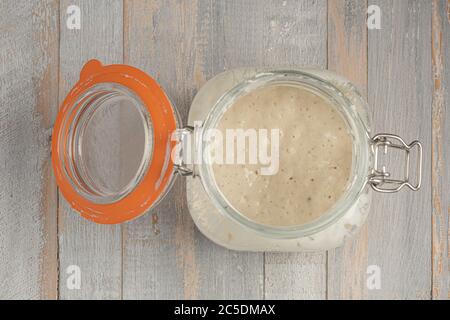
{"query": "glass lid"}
(112, 143)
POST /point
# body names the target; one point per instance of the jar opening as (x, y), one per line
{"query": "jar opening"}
(109, 143)
(356, 129)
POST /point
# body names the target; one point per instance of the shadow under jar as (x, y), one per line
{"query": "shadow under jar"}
(118, 144)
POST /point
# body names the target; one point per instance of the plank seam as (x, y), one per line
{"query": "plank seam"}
(122, 227)
(58, 267)
(327, 33)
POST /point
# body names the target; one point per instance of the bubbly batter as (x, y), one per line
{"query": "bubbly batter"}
(315, 157)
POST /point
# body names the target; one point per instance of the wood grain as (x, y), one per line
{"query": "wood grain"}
(159, 260)
(223, 32)
(296, 35)
(399, 83)
(28, 104)
(441, 148)
(403, 69)
(347, 55)
(95, 248)
(164, 254)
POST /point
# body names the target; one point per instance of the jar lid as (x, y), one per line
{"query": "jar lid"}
(77, 138)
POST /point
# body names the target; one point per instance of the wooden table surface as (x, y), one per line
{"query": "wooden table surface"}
(403, 69)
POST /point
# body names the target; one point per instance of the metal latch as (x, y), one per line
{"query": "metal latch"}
(380, 178)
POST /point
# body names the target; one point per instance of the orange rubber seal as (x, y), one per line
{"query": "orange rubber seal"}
(161, 168)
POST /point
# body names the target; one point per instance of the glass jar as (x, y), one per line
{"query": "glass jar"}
(168, 149)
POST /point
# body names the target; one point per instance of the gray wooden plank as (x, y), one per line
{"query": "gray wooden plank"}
(96, 249)
(28, 104)
(400, 97)
(295, 35)
(347, 55)
(182, 44)
(230, 35)
(441, 148)
(158, 260)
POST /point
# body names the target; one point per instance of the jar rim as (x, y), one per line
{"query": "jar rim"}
(360, 155)
(156, 172)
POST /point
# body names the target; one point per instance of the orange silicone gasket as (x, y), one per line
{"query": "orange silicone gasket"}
(160, 170)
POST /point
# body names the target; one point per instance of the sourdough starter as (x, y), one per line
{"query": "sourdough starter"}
(315, 157)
